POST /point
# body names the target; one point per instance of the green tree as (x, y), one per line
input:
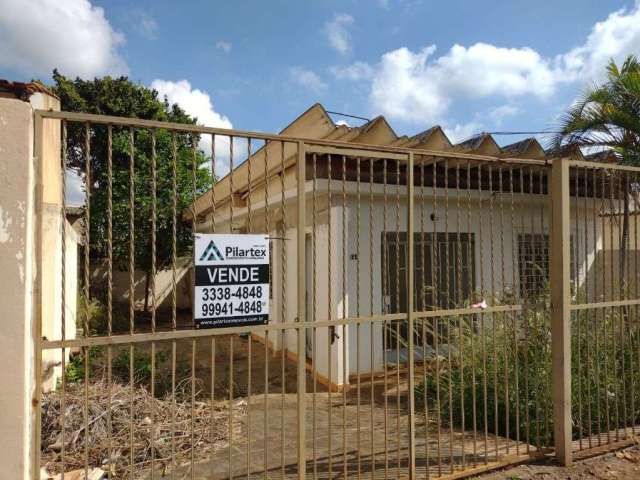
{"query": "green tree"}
(608, 116)
(123, 98)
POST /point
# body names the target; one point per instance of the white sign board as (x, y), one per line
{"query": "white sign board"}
(231, 280)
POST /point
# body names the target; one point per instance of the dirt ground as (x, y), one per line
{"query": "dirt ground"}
(624, 464)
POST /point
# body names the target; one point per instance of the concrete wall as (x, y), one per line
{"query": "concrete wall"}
(16, 264)
(164, 285)
(495, 234)
(19, 171)
(494, 229)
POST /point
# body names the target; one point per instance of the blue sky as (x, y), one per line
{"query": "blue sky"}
(470, 66)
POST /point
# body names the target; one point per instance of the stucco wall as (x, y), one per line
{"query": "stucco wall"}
(495, 228)
(16, 256)
(18, 233)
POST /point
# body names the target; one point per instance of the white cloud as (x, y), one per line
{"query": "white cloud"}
(615, 37)
(356, 71)
(192, 100)
(308, 79)
(197, 103)
(497, 114)
(224, 46)
(145, 24)
(419, 87)
(461, 132)
(337, 32)
(71, 35)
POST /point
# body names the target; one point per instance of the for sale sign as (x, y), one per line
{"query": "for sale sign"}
(231, 280)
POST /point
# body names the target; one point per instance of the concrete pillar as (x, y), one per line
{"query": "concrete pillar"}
(20, 294)
(16, 295)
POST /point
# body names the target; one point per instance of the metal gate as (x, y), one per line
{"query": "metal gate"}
(409, 331)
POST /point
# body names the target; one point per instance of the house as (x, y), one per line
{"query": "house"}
(481, 223)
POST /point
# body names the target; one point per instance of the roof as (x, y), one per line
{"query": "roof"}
(315, 123)
(571, 151)
(607, 156)
(527, 148)
(483, 143)
(23, 91)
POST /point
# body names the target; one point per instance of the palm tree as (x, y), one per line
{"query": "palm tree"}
(607, 116)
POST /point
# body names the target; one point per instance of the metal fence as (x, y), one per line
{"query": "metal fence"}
(423, 307)
(604, 299)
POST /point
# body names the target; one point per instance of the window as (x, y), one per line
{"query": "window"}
(445, 283)
(533, 263)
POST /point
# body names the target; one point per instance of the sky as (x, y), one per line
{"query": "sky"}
(470, 66)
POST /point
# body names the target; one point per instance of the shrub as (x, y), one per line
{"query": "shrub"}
(490, 351)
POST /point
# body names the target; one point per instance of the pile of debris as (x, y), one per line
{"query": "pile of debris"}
(100, 436)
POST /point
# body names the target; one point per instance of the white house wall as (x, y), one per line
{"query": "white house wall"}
(493, 228)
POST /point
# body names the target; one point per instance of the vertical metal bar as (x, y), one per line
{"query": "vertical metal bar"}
(503, 315)
(213, 338)
(613, 310)
(625, 334)
(213, 182)
(524, 295)
(302, 311)
(330, 330)
(249, 390)
(192, 423)
(266, 333)
(231, 388)
(471, 272)
(211, 406)
(358, 198)
(634, 330)
(153, 298)
(560, 310)
(174, 226)
(36, 430)
(588, 299)
(483, 332)
(283, 303)
(459, 301)
(131, 292)
(595, 311)
(544, 180)
(249, 229)
(423, 321)
(194, 221)
(385, 324)
(576, 277)
(604, 311)
(344, 315)
(249, 339)
(314, 309)
(435, 252)
(87, 289)
(493, 317)
(371, 325)
(397, 323)
(535, 240)
(447, 274)
(63, 291)
(410, 315)
(516, 360)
